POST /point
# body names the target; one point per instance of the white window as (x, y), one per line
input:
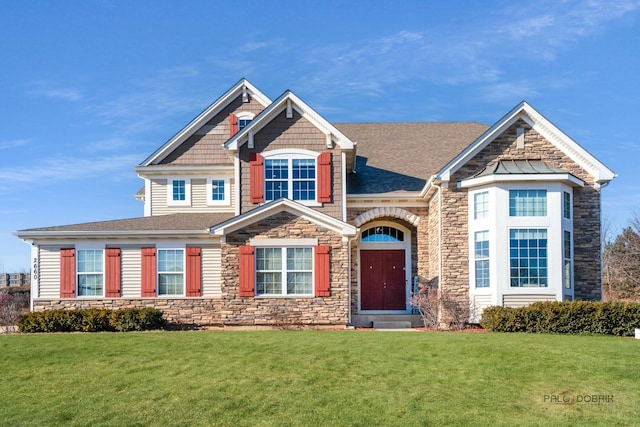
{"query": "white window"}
(218, 191)
(481, 205)
(567, 276)
(244, 118)
(170, 272)
(179, 191)
(527, 202)
(284, 271)
(528, 257)
(566, 205)
(481, 253)
(290, 175)
(90, 272)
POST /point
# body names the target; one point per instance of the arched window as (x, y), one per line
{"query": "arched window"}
(382, 233)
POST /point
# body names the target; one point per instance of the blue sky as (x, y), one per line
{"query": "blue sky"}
(89, 89)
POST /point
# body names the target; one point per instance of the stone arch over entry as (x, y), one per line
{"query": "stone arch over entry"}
(386, 212)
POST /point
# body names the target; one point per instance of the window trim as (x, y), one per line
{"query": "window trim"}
(291, 154)
(78, 249)
(158, 272)
(284, 271)
(187, 192)
(227, 192)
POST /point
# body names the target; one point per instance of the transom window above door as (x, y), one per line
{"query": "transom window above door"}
(382, 233)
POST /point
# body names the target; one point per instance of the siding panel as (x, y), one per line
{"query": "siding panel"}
(49, 272)
(131, 273)
(521, 300)
(159, 202)
(211, 272)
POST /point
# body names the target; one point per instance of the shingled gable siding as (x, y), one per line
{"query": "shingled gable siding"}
(455, 270)
(296, 132)
(420, 247)
(206, 148)
(310, 311)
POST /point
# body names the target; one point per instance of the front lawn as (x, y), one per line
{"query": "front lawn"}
(299, 378)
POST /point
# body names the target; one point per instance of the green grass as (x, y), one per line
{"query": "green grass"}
(293, 378)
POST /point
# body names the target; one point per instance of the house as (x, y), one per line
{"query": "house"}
(260, 211)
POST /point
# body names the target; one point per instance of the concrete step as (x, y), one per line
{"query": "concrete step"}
(392, 325)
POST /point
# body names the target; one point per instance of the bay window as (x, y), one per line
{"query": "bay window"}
(528, 257)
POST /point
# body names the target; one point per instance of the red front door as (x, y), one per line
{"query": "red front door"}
(382, 280)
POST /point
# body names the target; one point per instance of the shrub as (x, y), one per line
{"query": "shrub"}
(439, 309)
(92, 320)
(610, 318)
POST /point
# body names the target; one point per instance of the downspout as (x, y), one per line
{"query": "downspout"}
(349, 282)
(439, 252)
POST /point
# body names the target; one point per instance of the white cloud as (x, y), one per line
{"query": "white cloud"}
(65, 168)
(13, 143)
(50, 90)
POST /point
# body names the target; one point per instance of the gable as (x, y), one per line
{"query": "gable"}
(243, 91)
(288, 103)
(521, 134)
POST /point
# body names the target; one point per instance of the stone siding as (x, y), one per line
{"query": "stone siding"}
(586, 209)
(275, 311)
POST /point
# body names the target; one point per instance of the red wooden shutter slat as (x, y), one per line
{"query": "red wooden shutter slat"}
(67, 273)
(233, 124)
(148, 272)
(321, 279)
(256, 178)
(112, 272)
(194, 272)
(247, 271)
(324, 177)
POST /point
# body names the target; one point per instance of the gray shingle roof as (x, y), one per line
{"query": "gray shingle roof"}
(178, 222)
(403, 156)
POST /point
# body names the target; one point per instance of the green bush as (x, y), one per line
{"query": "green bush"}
(579, 317)
(92, 320)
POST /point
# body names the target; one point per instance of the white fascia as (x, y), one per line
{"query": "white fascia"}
(33, 236)
(279, 105)
(286, 205)
(566, 178)
(544, 127)
(174, 170)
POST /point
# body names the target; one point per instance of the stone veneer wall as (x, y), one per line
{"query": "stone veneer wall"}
(248, 311)
(420, 249)
(586, 211)
(433, 234)
(185, 311)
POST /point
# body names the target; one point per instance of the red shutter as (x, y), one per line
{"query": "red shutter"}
(233, 124)
(112, 273)
(194, 272)
(247, 271)
(322, 278)
(67, 273)
(148, 272)
(324, 177)
(256, 185)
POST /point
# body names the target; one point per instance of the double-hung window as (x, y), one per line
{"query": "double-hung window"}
(481, 205)
(567, 259)
(170, 272)
(290, 178)
(528, 257)
(90, 272)
(284, 271)
(481, 240)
